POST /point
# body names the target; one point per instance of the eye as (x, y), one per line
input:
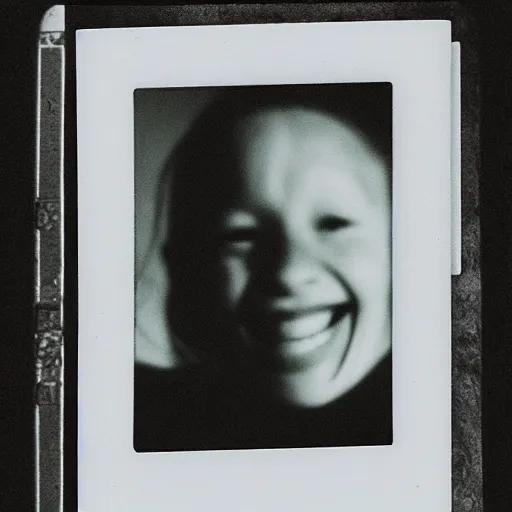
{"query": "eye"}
(332, 223)
(237, 231)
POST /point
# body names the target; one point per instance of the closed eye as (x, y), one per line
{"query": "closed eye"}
(237, 231)
(331, 223)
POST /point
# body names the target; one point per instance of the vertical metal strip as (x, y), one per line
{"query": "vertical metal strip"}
(49, 266)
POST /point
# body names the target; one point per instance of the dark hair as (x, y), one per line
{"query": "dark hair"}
(206, 148)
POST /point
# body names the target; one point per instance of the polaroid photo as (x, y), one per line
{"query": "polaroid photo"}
(278, 294)
(264, 267)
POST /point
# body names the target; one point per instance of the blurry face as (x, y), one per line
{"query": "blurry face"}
(303, 258)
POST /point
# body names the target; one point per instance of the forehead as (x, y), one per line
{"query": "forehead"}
(286, 153)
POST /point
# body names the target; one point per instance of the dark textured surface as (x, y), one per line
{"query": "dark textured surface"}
(50, 175)
(496, 219)
(50, 118)
(466, 296)
(466, 292)
(17, 159)
(48, 221)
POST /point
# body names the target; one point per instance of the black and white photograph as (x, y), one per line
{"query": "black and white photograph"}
(263, 249)
(264, 235)
(257, 256)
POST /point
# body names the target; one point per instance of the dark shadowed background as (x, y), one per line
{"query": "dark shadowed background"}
(161, 117)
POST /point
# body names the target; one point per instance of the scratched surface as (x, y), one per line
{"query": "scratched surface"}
(48, 337)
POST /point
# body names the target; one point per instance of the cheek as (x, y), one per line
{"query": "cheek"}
(364, 262)
(234, 276)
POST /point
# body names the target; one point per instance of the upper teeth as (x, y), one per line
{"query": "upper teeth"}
(303, 325)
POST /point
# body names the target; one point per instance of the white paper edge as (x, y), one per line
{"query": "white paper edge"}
(413, 473)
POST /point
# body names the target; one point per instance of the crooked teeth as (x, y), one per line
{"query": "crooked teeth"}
(304, 325)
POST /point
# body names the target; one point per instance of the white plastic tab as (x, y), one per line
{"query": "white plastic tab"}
(54, 19)
(456, 189)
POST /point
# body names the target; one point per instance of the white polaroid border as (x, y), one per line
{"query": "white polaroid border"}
(414, 472)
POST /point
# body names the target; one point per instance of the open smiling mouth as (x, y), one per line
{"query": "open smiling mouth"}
(293, 333)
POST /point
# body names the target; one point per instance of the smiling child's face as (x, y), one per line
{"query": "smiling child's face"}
(302, 266)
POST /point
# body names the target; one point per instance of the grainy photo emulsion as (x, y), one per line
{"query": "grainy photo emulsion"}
(263, 277)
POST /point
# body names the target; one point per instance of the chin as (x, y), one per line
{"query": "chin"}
(305, 390)
(329, 370)
(302, 372)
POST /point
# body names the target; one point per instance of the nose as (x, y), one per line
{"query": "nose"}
(286, 268)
